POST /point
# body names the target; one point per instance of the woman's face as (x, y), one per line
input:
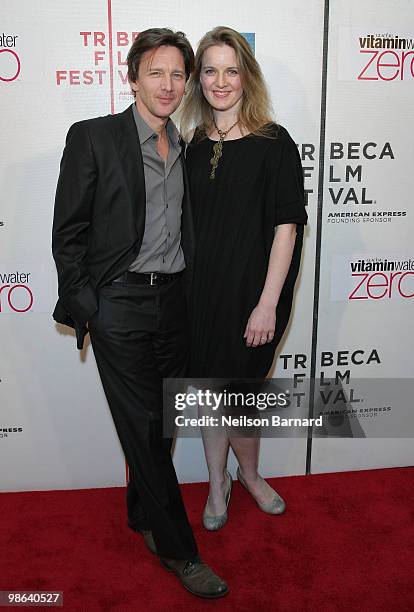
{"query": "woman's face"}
(220, 78)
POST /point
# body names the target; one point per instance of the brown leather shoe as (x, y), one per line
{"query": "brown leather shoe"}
(197, 577)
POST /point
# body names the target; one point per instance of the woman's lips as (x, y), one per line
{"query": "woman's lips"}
(221, 94)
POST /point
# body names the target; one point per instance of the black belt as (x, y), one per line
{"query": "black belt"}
(146, 278)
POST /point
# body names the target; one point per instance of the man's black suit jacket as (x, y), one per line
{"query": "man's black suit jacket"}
(99, 216)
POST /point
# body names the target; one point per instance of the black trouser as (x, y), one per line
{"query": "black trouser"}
(139, 336)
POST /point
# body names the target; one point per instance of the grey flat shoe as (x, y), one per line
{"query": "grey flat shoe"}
(212, 522)
(149, 541)
(276, 506)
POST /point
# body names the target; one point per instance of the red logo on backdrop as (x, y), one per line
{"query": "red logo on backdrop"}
(386, 57)
(9, 60)
(101, 47)
(15, 293)
(379, 279)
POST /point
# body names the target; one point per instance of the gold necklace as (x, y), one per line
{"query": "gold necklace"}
(218, 148)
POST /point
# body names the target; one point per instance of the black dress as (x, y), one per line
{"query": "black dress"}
(258, 185)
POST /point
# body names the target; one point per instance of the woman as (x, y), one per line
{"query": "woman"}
(246, 186)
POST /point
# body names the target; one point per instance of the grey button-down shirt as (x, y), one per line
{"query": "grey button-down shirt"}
(164, 187)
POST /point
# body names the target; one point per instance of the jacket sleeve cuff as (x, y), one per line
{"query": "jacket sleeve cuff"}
(81, 305)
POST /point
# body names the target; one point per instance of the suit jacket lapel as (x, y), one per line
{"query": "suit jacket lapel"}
(127, 144)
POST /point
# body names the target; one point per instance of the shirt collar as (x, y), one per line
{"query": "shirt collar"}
(145, 132)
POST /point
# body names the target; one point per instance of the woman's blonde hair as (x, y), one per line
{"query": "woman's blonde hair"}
(255, 112)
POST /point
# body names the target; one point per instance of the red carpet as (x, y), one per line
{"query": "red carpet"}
(344, 543)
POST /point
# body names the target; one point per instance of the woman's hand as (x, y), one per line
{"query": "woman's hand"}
(260, 327)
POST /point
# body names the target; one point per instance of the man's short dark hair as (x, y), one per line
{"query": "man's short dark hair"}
(153, 39)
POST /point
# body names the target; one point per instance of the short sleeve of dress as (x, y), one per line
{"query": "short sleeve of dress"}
(290, 198)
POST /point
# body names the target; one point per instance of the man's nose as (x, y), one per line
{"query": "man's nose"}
(167, 82)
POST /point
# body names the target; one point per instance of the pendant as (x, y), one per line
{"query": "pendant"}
(218, 152)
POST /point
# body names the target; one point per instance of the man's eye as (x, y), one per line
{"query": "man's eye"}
(155, 73)
(178, 75)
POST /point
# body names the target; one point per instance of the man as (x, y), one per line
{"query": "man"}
(123, 246)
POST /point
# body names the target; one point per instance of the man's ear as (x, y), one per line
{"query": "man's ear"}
(134, 85)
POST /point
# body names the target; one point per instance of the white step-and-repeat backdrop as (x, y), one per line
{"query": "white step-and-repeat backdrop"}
(341, 76)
